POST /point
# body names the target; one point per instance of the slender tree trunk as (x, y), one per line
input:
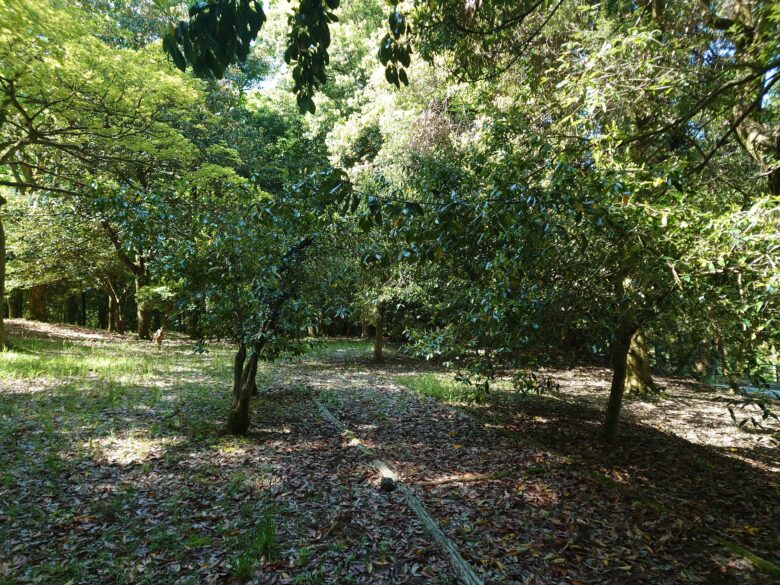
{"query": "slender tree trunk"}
(15, 304)
(238, 418)
(102, 312)
(379, 336)
(36, 302)
(3, 332)
(238, 371)
(619, 365)
(112, 313)
(83, 309)
(116, 317)
(192, 324)
(72, 309)
(731, 377)
(639, 379)
(143, 315)
(364, 332)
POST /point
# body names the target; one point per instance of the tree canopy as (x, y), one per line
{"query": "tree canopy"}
(498, 185)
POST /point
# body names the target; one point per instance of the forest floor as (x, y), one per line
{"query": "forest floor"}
(114, 469)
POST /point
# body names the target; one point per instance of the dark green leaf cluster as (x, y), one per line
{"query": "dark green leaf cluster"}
(218, 34)
(395, 55)
(307, 48)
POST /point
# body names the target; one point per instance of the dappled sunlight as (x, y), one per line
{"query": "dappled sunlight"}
(129, 448)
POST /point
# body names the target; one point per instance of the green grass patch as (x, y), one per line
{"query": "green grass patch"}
(438, 387)
(87, 434)
(330, 346)
(255, 547)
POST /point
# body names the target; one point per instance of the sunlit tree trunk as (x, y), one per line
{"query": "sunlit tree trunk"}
(116, 317)
(36, 302)
(379, 336)
(3, 333)
(639, 379)
(112, 313)
(620, 351)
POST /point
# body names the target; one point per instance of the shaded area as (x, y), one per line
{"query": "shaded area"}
(539, 516)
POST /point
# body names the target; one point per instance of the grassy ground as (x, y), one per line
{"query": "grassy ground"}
(113, 469)
(85, 431)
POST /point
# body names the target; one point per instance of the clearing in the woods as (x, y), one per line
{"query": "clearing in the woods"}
(114, 469)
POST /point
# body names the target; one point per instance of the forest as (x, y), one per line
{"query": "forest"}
(389, 291)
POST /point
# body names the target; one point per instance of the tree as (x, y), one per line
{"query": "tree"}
(83, 122)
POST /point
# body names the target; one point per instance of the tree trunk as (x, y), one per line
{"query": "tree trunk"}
(112, 313)
(16, 304)
(72, 309)
(364, 333)
(379, 337)
(36, 302)
(82, 320)
(238, 418)
(619, 365)
(144, 316)
(116, 316)
(731, 376)
(639, 379)
(192, 324)
(3, 333)
(102, 312)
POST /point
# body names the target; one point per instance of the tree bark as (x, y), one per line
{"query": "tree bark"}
(619, 365)
(238, 418)
(379, 337)
(82, 308)
(364, 332)
(72, 309)
(143, 315)
(732, 376)
(112, 317)
(139, 272)
(16, 304)
(116, 318)
(639, 379)
(238, 370)
(102, 312)
(36, 302)
(3, 333)
(192, 324)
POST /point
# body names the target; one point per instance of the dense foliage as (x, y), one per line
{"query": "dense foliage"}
(548, 182)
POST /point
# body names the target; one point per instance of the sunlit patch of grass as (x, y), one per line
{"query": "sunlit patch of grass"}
(120, 363)
(339, 346)
(437, 387)
(111, 417)
(130, 448)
